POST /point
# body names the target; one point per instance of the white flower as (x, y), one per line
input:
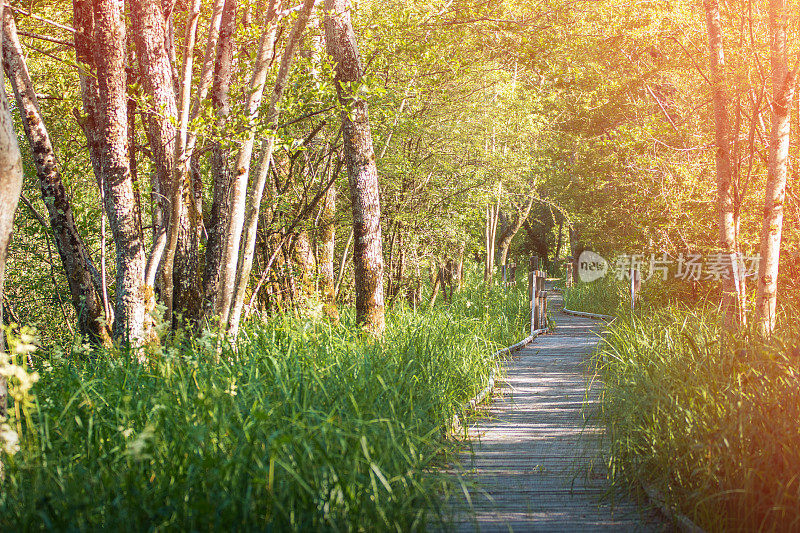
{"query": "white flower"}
(9, 440)
(232, 389)
(137, 446)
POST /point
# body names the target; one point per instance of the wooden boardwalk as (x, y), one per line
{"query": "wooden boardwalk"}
(533, 464)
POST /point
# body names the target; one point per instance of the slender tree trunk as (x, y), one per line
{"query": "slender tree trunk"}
(513, 229)
(576, 246)
(327, 246)
(361, 170)
(179, 188)
(462, 248)
(10, 189)
(155, 75)
(342, 263)
(187, 277)
(246, 220)
(492, 218)
(783, 86)
(82, 276)
(305, 261)
(436, 282)
(560, 239)
(220, 206)
(115, 177)
(732, 301)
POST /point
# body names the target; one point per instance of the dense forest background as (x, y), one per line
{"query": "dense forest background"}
(584, 125)
(591, 124)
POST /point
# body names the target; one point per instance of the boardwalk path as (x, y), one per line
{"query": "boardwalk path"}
(534, 457)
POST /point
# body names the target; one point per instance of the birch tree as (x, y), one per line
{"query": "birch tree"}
(249, 219)
(10, 188)
(783, 87)
(732, 292)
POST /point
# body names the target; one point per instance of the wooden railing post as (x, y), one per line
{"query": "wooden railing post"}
(535, 315)
(544, 310)
(636, 285)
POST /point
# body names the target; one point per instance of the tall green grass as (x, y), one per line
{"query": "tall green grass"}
(605, 296)
(715, 427)
(304, 426)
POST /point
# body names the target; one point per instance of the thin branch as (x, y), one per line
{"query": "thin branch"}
(45, 38)
(42, 19)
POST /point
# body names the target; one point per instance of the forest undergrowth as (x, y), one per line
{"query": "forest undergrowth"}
(707, 420)
(302, 426)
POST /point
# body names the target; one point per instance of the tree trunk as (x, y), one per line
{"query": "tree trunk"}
(462, 247)
(783, 85)
(492, 218)
(361, 170)
(732, 299)
(576, 247)
(513, 229)
(343, 263)
(560, 239)
(325, 259)
(160, 115)
(306, 263)
(183, 212)
(247, 221)
(10, 189)
(115, 179)
(220, 204)
(82, 276)
(188, 294)
(436, 282)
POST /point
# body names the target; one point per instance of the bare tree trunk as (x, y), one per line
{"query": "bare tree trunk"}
(245, 219)
(180, 163)
(732, 301)
(325, 259)
(436, 279)
(10, 189)
(220, 205)
(81, 278)
(306, 262)
(462, 247)
(110, 117)
(188, 285)
(513, 229)
(560, 239)
(783, 85)
(342, 263)
(492, 217)
(361, 170)
(155, 75)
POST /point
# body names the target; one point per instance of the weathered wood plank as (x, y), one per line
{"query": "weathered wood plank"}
(534, 459)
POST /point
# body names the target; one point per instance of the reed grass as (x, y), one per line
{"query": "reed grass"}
(711, 421)
(605, 296)
(304, 426)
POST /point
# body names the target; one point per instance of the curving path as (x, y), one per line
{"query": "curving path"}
(533, 457)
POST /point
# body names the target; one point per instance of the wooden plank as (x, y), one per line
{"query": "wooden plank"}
(534, 459)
